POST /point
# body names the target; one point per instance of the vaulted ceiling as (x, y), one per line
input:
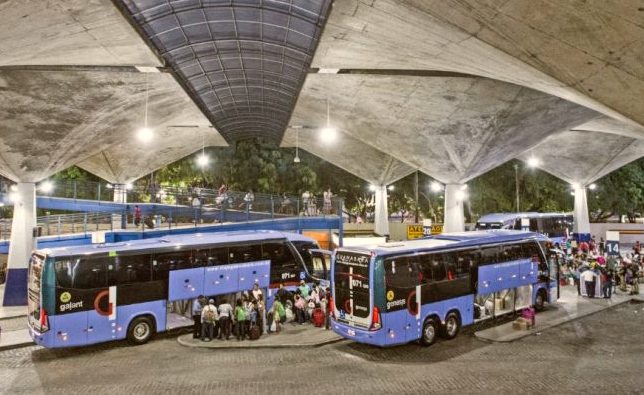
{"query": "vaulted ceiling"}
(451, 88)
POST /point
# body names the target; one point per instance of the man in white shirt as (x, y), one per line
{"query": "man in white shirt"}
(588, 277)
(225, 313)
(208, 319)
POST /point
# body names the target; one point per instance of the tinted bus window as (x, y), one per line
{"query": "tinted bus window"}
(490, 255)
(200, 257)
(284, 267)
(128, 269)
(303, 248)
(91, 273)
(65, 269)
(218, 256)
(438, 267)
(513, 252)
(163, 263)
(245, 253)
(401, 272)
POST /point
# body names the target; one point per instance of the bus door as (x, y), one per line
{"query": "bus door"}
(555, 276)
(319, 266)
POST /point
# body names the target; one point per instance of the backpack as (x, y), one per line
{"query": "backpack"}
(210, 315)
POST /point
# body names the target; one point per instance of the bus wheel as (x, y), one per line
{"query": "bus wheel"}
(430, 331)
(540, 300)
(140, 330)
(452, 325)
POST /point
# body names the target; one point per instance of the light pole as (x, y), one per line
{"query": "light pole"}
(516, 183)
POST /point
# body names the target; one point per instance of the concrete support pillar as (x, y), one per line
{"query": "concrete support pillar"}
(22, 244)
(581, 226)
(381, 220)
(454, 213)
(120, 196)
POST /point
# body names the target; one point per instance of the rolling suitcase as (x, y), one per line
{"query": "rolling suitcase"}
(253, 332)
(318, 317)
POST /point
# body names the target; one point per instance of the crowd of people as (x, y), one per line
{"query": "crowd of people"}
(249, 318)
(597, 274)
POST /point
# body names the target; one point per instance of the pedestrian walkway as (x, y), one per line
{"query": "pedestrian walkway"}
(569, 307)
(12, 335)
(292, 335)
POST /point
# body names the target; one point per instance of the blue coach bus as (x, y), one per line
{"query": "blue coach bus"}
(557, 226)
(400, 292)
(95, 293)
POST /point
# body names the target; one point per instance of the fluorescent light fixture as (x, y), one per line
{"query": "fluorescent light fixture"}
(592, 186)
(390, 187)
(575, 185)
(128, 186)
(147, 69)
(328, 71)
(460, 195)
(464, 187)
(372, 188)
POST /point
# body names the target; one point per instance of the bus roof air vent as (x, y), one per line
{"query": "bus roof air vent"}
(109, 245)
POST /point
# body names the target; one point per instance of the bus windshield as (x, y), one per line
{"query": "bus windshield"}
(352, 293)
(34, 301)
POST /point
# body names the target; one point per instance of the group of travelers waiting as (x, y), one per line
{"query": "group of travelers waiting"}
(587, 264)
(246, 319)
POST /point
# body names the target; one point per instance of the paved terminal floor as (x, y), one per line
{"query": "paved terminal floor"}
(599, 353)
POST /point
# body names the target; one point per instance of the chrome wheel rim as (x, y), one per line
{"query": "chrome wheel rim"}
(429, 333)
(141, 331)
(451, 326)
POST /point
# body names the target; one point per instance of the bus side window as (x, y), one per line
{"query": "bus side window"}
(438, 268)
(284, 266)
(218, 256)
(91, 273)
(399, 273)
(450, 265)
(464, 262)
(200, 257)
(245, 253)
(425, 267)
(128, 269)
(489, 255)
(64, 268)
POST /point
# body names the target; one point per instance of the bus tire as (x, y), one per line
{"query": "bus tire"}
(452, 325)
(140, 330)
(540, 300)
(430, 331)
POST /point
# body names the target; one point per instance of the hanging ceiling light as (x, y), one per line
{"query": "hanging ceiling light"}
(328, 134)
(297, 146)
(145, 134)
(203, 160)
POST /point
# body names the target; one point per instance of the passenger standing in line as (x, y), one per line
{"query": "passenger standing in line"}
(261, 313)
(608, 285)
(208, 319)
(304, 289)
(197, 306)
(240, 319)
(256, 292)
(299, 309)
(588, 277)
(225, 313)
(282, 294)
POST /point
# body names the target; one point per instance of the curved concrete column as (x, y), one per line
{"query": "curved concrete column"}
(22, 244)
(381, 226)
(581, 226)
(454, 213)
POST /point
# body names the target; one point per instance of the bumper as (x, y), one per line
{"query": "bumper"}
(42, 339)
(376, 338)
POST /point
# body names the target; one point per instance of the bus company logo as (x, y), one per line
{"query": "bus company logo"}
(65, 297)
(390, 296)
(71, 306)
(396, 303)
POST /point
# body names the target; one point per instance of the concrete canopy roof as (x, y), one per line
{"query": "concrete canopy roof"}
(451, 88)
(54, 119)
(69, 32)
(352, 155)
(452, 128)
